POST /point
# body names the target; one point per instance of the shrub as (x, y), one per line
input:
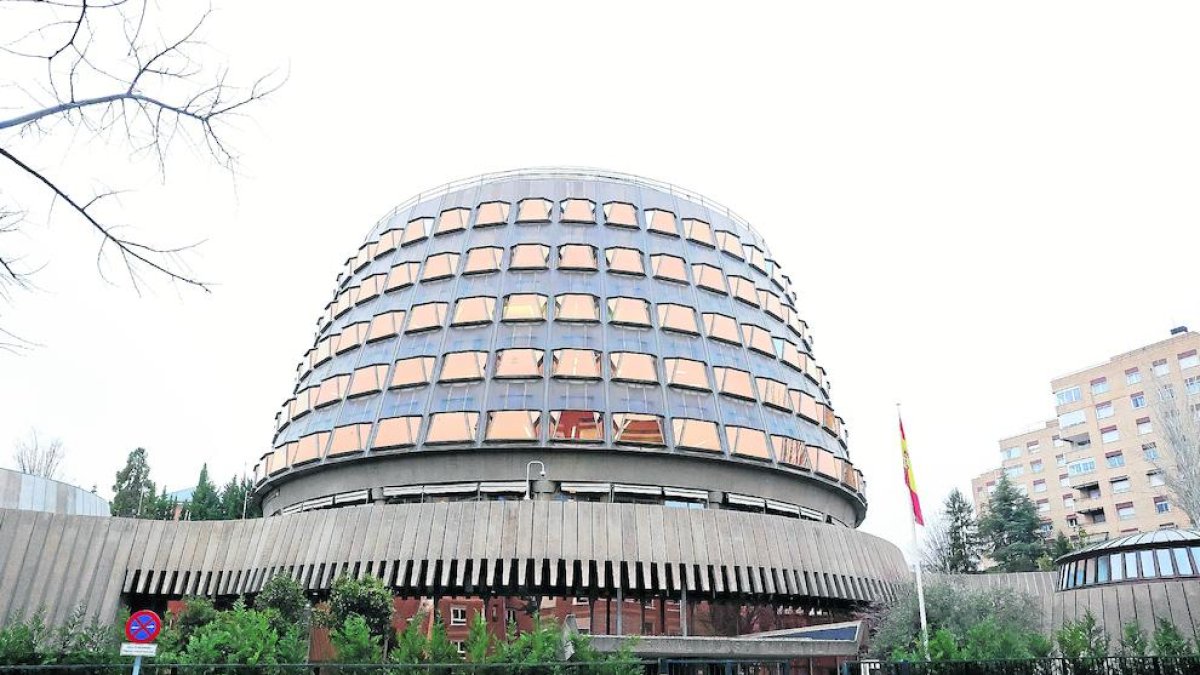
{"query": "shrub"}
(283, 596)
(1082, 638)
(354, 643)
(1133, 640)
(1168, 641)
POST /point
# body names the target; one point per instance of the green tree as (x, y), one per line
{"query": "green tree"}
(283, 598)
(234, 499)
(133, 491)
(1168, 641)
(1011, 530)
(478, 645)
(366, 597)
(205, 503)
(354, 643)
(1133, 640)
(439, 649)
(239, 636)
(962, 537)
(1060, 545)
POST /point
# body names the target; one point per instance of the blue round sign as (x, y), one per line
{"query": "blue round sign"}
(143, 626)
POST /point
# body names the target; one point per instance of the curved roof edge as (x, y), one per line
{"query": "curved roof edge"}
(1138, 540)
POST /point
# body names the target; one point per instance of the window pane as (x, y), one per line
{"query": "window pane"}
(492, 213)
(576, 307)
(629, 311)
(576, 425)
(397, 432)
(463, 366)
(747, 442)
(662, 222)
(513, 425)
(427, 316)
(620, 214)
(758, 339)
(533, 211)
(729, 243)
(529, 257)
(416, 230)
(525, 307)
(734, 382)
(453, 220)
(709, 277)
(576, 363)
(310, 448)
(577, 257)
(624, 261)
(349, 438)
(743, 289)
(1182, 563)
(471, 311)
(351, 337)
(774, 393)
(402, 276)
(1165, 564)
(637, 429)
(372, 286)
(669, 268)
(791, 451)
(696, 435)
(633, 367)
(368, 380)
(687, 374)
(483, 260)
(412, 372)
(771, 304)
(519, 363)
(452, 427)
(723, 328)
(698, 231)
(331, 391)
(440, 266)
(677, 318)
(578, 211)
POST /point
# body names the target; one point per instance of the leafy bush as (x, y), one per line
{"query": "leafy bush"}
(354, 643)
(284, 598)
(1168, 641)
(1082, 638)
(367, 597)
(1133, 641)
(79, 640)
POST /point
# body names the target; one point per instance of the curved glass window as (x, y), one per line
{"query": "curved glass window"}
(507, 426)
(696, 434)
(774, 393)
(529, 257)
(331, 391)
(698, 231)
(576, 307)
(743, 289)
(302, 404)
(586, 426)
(412, 372)
(638, 429)
(349, 439)
(621, 260)
(366, 253)
(426, 316)
(729, 243)
(633, 367)
(416, 230)
(735, 383)
(809, 408)
(474, 311)
(723, 328)
(758, 339)
(629, 312)
(791, 451)
(771, 304)
(789, 353)
(686, 374)
(525, 307)
(388, 241)
(453, 220)
(367, 380)
(343, 302)
(452, 427)
(440, 266)
(534, 210)
(580, 257)
(483, 260)
(661, 222)
(310, 448)
(323, 351)
(519, 363)
(397, 432)
(747, 442)
(677, 318)
(385, 325)
(371, 287)
(402, 275)
(578, 211)
(620, 214)
(576, 364)
(351, 337)
(463, 366)
(755, 257)
(669, 268)
(709, 278)
(492, 213)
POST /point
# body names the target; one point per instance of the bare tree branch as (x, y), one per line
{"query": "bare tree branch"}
(37, 458)
(1179, 427)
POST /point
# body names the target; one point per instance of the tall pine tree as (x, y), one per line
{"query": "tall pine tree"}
(206, 503)
(133, 491)
(1011, 530)
(962, 538)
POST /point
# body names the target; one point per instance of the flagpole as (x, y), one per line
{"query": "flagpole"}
(912, 516)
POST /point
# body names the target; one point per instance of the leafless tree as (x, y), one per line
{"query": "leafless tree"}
(1179, 461)
(934, 548)
(117, 71)
(39, 457)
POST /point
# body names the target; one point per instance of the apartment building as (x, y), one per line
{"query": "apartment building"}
(1096, 470)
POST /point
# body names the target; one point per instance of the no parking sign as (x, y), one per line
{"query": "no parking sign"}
(141, 630)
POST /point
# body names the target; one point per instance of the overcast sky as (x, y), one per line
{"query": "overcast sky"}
(970, 198)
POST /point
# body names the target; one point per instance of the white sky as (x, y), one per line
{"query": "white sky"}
(970, 198)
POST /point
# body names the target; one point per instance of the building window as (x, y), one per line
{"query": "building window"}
(483, 260)
(633, 367)
(1015, 471)
(743, 289)
(412, 372)
(774, 393)
(1033, 446)
(426, 316)
(402, 276)
(678, 318)
(453, 220)
(1068, 396)
(368, 380)
(584, 426)
(637, 429)
(1104, 411)
(686, 374)
(1150, 452)
(416, 230)
(734, 383)
(758, 339)
(534, 210)
(473, 311)
(1064, 480)
(709, 277)
(1160, 368)
(1157, 478)
(452, 427)
(723, 328)
(1189, 360)
(661, 222)
(1068, 502)
(629, 312)
(698, 231)
(1060, 460)
(525, 307)
(1043, 506)
(1115, 460)
(1125, 511)
(576, 307)
(729, 243)
(1166, 392)
(747, 442)
(1192, 386)
(529, 257)
(621, 260)
(669, 268)
(1109, 435)
(1010, 453)
(458, 616)
(1161, 505)
(1133, 376)
(1071, 419)
(696, 435)
(578, 211)
(1036, 466)
(576, 364)
(620, 214)
(1137, 400)
(1144, 426)
(579, 257)
(1039, 486)
(1081, 466)
(396, 432)
(463, 366)
(504, 426)
(519, 363)
(492, 213)
(1099, 386)
(1119, 485)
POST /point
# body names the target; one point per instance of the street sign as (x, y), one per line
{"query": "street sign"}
(138, 649)
(143, 626)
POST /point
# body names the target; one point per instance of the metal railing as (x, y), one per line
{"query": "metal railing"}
(124, 668)
(1113, 665)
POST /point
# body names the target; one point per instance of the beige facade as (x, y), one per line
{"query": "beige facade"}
(1096, 469)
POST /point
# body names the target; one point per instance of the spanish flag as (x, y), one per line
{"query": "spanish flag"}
(909, 479)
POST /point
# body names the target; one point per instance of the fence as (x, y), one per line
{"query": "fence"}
(1147, 665)
(124, 668)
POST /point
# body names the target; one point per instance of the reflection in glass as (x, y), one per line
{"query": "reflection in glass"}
(463, 366)
(633, 367)
(662, 222)
(412, 372)
(426, 316)
(474, 311)
(637, 429)
(723, 328)
(529, 257)
(519, 363)
(576, 307)
(774, 393)
(576, 364)
(578, 211)
(669, 268)
(525, 307)
(397, 432)
(416, 230)
(453, 220)
(687, 374)
(791, 451)
(709, 277)
(512, 425)
(747, 442)
(576, 425)
(402, 275)
(734, 382)
(440, 266)
(622, 260)
(483, 260)
(534, 210)
(629, 311)
(678, 318)
(696, 434)
(452, 427)
(492, 213)
(620, 214)
(577, 257)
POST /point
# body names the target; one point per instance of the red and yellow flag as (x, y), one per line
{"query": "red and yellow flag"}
(909, 479)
